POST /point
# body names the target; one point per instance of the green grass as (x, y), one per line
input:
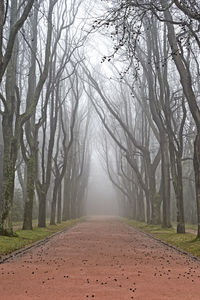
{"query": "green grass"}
(27, 237)
(186, 242)
(191, 226)
(187, 226)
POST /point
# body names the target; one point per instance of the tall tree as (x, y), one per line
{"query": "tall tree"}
(13, 121)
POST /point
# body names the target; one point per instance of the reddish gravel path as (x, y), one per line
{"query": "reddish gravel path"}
(104, 260)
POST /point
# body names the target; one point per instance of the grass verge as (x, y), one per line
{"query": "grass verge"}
(27, 237)
(186, 242)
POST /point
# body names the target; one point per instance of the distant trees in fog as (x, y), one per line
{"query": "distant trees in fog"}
(42, 109)
(153, 115)
(149, 109)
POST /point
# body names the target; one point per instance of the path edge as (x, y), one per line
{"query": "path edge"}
(25, 249)
(188, 254)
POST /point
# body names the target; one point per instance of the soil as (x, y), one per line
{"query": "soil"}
(101, 259)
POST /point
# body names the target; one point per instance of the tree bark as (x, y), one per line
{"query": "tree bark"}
(30, 193)
(196, 163)
(54, 202)
(59, 206)
(66, 215)
(166, 222)
(42, 209)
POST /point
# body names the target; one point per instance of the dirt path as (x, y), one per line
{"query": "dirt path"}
(102, 259)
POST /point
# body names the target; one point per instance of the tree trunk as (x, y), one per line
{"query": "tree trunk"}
(30, 192)
(10, 129)
(196, 162)
(30, 127)
(59, 206)
(176, 171)
(9, 161)
(140, 206)
(166, 223)
(54, 202)
(180, 208)
(148, 208)
(42, 210)
(1, 162)
(154, 199)
(66, 215)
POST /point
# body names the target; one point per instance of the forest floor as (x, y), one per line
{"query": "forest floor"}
(103, 259)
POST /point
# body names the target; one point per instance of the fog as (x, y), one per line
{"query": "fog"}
(99, 73)
(101, 198)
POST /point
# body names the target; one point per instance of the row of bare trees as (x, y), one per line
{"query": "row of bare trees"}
(151, 116)
(44, 112)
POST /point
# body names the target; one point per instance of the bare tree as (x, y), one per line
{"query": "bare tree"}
(13, 121)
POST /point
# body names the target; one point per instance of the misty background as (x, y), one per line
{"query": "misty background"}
(101, 196)
(99, 111)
